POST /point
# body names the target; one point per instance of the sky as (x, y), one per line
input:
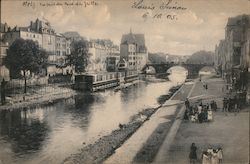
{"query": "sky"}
(198, 26)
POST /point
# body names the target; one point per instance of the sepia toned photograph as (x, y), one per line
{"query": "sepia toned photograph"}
(124, 81)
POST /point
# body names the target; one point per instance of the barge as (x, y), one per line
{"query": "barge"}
(103, 80)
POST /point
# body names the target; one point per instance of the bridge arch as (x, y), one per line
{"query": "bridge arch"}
(193, 69)
(150, 70)
(176, 68)
(207, 70)
(177, 74)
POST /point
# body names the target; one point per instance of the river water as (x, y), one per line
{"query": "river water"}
(48, 134)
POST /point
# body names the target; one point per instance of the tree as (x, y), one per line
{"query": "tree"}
(79, 56)
(25, 56)
(201, 57)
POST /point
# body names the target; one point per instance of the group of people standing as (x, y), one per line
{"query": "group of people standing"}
(211, 156)
(199, 113)
(231, 104)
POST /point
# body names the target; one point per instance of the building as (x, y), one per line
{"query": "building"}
(41, 31)
(112, 61)
(4, 72)
(102, 53)
(220, 56)
(232, 54)
(133, 49)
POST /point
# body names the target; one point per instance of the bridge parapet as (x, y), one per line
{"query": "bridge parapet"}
(193, 69)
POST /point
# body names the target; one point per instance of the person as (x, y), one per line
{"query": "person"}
(206, 158)
(187, 104)
(3, 99)
(210, 149)
(215, 106)
(227, 105)
(192, 118)
(209, 115)
(214, 157)
(200, 118)
(196, 116)
(192, 154)
(199, 108)
(224, 104)
(220, 154)
(236, 104)
(212, 104)
(204, 115)
(204, 85)
(230, 104)
(186, 115)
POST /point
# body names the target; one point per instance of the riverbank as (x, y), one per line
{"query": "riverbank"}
(106, 145)
(144, 144)
(43, 96)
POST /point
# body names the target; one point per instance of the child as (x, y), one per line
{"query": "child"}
(220, 154)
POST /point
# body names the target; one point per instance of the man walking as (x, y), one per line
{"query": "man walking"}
(3, 84)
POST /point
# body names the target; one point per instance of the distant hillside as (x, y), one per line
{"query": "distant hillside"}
(201, 57)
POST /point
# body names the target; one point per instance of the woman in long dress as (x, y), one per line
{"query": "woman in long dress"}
(206, 158)
(192, 154)
(214, 158)
(220, 155)
(209, 115)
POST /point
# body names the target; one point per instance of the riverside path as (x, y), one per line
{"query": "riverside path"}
(166, 138)
(230, 131)
(144, 144)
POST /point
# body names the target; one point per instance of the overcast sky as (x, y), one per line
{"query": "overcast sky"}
(198, 27)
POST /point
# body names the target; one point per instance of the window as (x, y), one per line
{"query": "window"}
(99, 78)
(34, 36)
(49, 41)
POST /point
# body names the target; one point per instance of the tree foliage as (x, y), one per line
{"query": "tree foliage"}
(25, 56)
(79, 56)
(201, 57)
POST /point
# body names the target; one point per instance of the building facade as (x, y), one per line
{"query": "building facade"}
(232, 54)
(4, 72)
(134, 51)
(102, 53)
(41, 32)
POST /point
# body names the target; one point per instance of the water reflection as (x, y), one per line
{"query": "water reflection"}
(26, 134)
(50, 133)
(178, 74)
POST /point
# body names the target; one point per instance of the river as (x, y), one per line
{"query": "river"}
(48, 134)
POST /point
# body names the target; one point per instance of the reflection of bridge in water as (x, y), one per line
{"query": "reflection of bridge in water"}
(162, 68)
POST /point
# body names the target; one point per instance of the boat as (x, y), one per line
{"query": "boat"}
(103, 80)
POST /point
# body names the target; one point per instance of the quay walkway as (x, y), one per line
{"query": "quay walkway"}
(143, 145)
(230, 131)
(166, 138)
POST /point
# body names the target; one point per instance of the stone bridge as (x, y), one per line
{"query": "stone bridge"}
(160, 68)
